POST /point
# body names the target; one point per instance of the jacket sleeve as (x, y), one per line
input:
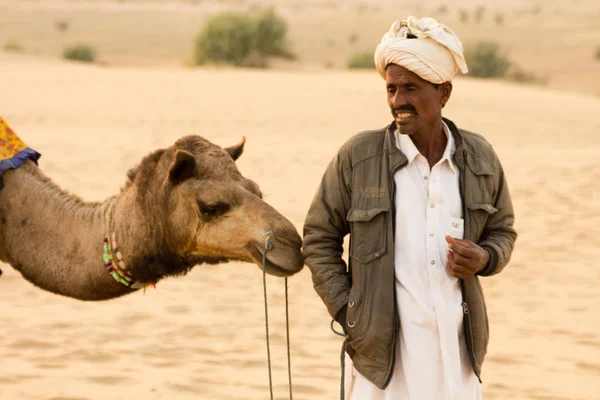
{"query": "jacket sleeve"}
(324, 231)
(499, 236)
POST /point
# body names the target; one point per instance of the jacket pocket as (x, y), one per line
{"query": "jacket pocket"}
(480, 213)
(368, 233)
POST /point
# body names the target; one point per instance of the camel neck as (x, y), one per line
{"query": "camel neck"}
(53, 238)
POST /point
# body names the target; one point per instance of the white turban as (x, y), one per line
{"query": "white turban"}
(435, 55)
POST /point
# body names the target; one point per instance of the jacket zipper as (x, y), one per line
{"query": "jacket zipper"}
(392, 183)
(469, 336)
(466, 317)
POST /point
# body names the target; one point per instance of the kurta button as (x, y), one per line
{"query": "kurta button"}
(432, 262)
(351, 304)
(351, 324)
(432, 205)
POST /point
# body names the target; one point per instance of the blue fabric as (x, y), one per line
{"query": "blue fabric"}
(18, 160)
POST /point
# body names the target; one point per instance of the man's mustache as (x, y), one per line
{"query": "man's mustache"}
(407, 107)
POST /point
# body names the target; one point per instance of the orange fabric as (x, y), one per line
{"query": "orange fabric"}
(10, 143)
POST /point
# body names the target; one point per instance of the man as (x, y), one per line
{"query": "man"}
(428, 211)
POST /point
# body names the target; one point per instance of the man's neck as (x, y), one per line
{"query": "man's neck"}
(431, 143)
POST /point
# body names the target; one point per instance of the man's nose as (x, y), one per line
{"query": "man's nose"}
(398, 99)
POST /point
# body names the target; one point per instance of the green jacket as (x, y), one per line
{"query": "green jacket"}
(356, 197)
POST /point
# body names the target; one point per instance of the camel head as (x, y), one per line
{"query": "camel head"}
(196, 208)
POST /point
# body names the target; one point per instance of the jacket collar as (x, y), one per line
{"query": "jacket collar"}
(396, 157)
(465, 152)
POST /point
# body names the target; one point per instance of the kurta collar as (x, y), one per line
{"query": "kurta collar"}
(408, 148)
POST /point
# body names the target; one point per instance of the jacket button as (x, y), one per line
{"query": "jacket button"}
(351, 304)
(351, 324)
(376, 254)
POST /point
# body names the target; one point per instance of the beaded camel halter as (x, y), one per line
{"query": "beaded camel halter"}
(113, 258)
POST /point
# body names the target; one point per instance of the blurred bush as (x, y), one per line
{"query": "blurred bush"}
(499, 18)
(478, 15)
(487, 60)
(61, 25)
(80, 52)
(517, 74)
(241, 39)
(361, 60)
(270, 33)
(13, 46)
(442, 10)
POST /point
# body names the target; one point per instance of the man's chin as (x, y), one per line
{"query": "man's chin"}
(406, 129)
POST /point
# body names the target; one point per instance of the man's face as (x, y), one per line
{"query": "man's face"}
(416, 104)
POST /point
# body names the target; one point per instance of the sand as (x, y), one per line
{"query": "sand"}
(202, 336)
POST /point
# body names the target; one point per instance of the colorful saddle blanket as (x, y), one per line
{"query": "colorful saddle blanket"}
(13, 151)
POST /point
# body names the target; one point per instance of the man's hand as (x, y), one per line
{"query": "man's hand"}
(466, 258)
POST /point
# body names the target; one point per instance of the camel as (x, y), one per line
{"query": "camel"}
(182, 206)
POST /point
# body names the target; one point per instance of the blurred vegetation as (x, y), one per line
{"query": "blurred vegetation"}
(353, 38)
(517, 74)
(270, 31)
(478, 15)
(80, 52)
(61, 25)
(13, 46)
(489, 60)
(361, 60)
(499, 18)
(442, 10)
(241, 39)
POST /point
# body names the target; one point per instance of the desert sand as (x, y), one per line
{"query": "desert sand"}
(202, 336)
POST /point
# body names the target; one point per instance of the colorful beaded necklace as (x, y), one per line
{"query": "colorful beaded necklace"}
(113, 258)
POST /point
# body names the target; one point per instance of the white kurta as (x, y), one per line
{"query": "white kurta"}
(432, 362)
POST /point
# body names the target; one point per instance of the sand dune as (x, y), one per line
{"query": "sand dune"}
(202, 336)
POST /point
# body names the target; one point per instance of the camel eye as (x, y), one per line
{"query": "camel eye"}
(212, 210)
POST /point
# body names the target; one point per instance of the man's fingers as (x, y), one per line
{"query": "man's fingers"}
(463, 243)
(462, 255)
(458, 266)
(454, 269)
(461, 261)
(466, 248)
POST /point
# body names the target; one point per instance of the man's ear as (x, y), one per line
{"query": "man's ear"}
(182, 168)
(446, 89)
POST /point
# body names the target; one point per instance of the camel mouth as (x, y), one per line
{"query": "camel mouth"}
(273, 261)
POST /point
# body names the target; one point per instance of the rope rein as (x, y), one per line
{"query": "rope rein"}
(342, 362)
(269, 246)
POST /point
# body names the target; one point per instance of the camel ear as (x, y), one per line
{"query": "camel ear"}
(236, 151)
(183, 167)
